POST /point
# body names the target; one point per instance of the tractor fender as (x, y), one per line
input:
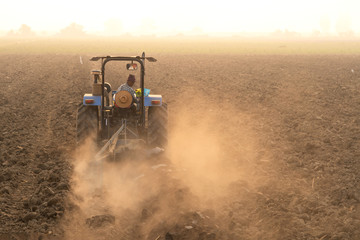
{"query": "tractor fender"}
(91, 100)
(153, 100)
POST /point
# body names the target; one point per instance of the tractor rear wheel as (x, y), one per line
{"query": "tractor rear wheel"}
(157, 126)
(87, 124)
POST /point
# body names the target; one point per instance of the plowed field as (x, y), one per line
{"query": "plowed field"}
(260, 147)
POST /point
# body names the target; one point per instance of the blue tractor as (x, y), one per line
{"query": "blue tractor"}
(116, 121)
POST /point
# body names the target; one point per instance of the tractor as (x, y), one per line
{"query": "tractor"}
(116, 121)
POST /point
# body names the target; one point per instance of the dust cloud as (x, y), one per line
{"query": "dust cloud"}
(187, 187)
(197, 149)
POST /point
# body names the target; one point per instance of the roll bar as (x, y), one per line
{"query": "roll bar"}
(138, 59)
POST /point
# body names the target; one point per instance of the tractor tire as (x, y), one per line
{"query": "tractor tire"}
(157, 133)
(87, 124)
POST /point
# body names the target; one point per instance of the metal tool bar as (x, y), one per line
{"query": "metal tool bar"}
(110, 143)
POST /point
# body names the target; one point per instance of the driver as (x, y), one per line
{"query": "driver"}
(128, 86)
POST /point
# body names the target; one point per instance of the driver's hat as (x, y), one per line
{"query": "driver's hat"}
(131, 78)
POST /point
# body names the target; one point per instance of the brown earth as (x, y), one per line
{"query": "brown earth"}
(260, 147)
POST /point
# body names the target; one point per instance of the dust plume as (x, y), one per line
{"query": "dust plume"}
(197, 149)
(186, 188)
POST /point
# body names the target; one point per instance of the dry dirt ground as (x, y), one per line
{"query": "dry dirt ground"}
(260, 147)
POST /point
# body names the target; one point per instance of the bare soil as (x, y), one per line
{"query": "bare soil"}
(261, 147)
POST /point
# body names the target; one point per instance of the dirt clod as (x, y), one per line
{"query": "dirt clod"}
(168, 236)
(6, 175)
(100, 220)
(30, 216)
(63, 186)
(53, 201)
(54, 177)
(5, 190)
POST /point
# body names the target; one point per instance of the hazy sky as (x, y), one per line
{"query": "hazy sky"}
(161, 16)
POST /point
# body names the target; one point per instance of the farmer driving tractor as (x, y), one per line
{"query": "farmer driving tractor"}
(128, 86)
(124, 100)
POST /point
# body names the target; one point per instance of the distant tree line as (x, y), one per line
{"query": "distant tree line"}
(23, 31)
(73, 30)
